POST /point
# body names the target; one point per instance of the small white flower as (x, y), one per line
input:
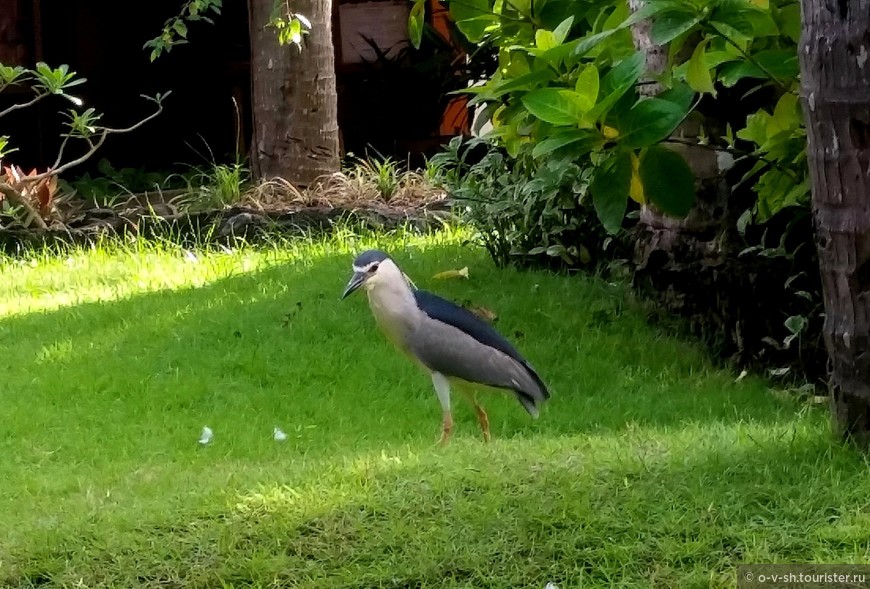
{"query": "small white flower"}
(279, 435)
(206, 436)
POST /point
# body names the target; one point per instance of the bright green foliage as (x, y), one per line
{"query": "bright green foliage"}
(566, 88)
(753, 44)
(522, 208)
(175, 29)
(781, 145)
(290, 26)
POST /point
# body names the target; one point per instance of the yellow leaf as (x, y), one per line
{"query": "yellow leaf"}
(545, 39)
(483, 313)
(452, 274)
(609, 132)
(763, 4)
(635, 190)
(698, 74)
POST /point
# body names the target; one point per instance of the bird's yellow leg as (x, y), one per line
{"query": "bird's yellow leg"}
(446, 428)
(482, 418)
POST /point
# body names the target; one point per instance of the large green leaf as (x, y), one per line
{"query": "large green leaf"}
(587, 86)
(698, 74)
(680, 94)
(472, 17)
(525, 82)
(650, 121)
(610, 188)
(561, 32)
(555, 56)
(619, 80)
(559, 140)
(668, 181)
(670, 24)
(782, 64)
(557, 106)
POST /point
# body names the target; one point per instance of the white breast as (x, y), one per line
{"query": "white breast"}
(396, 313)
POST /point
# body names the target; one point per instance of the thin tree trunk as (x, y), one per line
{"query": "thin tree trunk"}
(293, 96)
(657, 233)
(835, 74)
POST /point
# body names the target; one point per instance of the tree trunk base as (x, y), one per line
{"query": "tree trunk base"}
(851, 417)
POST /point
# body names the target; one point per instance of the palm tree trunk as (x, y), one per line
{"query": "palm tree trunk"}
(835, 76)
(293, 96)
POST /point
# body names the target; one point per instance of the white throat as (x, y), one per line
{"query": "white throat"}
(392, 303)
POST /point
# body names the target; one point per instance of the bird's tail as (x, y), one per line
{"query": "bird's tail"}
(529, 403)
(530, 398)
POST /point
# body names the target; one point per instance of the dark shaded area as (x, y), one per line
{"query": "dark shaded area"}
(737, 299)
(103, 41)
(391, 106)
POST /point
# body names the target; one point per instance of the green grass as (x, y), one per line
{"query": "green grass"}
(649, 467)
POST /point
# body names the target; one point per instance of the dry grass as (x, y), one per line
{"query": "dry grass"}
(354, 188)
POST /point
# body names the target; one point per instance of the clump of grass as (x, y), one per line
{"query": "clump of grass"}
(648, 467)
(216, 186)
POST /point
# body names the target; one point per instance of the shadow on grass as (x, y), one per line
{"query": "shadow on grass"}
(647, 462)
(647, 510)
(279, 345)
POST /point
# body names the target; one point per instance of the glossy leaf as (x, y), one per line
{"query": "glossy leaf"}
(619, 80)
(669, 25)
(650, 121)
(557, 106)
(610, 190)
(472, 17)
(698, 73)
(680, 94)
(560, 33)
(587, 86)
(559, 140)
(415, 22)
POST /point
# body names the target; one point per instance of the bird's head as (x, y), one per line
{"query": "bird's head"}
(372, 269)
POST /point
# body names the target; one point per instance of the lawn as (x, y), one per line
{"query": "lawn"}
(649, 467)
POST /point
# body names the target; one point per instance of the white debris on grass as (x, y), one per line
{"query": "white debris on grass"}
(279, 435)
(206, 436)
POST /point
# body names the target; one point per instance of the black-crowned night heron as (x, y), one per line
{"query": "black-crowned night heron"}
(452, 343)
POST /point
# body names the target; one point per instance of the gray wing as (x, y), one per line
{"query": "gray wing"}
(444, 348)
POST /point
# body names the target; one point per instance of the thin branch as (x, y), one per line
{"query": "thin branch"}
(92, 147)
(60, 152)
(137, 125)
(739, 152)
(15, 107)
(750, 59)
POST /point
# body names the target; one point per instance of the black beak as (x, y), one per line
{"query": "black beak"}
(356, 281)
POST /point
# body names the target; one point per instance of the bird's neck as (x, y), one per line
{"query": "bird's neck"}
(395, 309)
